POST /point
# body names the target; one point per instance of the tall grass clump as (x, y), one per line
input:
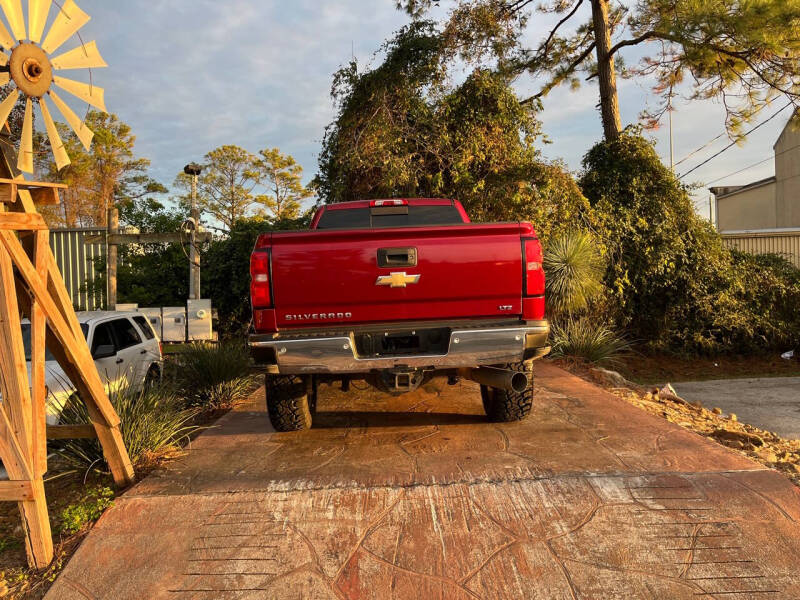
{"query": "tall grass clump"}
(587, 340)
(153, 420)
(214, 376)
(574, 271)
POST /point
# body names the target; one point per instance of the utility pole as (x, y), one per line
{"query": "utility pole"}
(194, 170)
(671, 151)
(111, 257)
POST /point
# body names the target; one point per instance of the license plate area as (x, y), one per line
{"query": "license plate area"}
(402, 343)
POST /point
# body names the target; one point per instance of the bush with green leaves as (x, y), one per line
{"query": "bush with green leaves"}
(153, 421)
(670, 279)
(214, 376)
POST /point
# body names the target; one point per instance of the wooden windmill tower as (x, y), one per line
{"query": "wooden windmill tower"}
(30, 282)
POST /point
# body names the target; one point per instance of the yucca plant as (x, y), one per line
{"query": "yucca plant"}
(214, 376)
(587, 340)
(154, 421)
(574, 272)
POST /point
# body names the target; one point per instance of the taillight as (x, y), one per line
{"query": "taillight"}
(377, 203)
(259, 279)
(534, 273)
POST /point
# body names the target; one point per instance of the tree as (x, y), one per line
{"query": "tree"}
(225, 188)
(744, 54)
(402, 129)
(106, 174)
(282, 177)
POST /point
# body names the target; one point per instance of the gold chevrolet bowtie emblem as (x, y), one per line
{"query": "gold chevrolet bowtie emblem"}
(397, 279)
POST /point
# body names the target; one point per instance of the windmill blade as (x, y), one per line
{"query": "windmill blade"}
(6, 39)
(59, 152)
(7, 106)
(37, 18)
(86, 56)
(4, 78)
(88, 93)
(25, 161)
(13, 11)
(84, 134)
(69, 19)
(3, 58)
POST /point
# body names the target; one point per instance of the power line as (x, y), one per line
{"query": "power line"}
(774, 156)
(729, 146)
(741, 170)
(709, 142)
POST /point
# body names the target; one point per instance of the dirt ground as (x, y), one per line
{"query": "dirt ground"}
(662, 368)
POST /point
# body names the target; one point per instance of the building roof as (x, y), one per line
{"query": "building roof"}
(728, 190)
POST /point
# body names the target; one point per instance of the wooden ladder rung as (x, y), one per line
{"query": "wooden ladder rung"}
(13, 491)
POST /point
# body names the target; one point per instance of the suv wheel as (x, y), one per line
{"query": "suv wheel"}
(288, 401)
(152, 378)
(502, 406)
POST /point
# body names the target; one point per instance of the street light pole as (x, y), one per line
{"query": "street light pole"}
(194, 170)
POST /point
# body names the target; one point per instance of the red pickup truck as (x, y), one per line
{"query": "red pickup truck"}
(396, 292)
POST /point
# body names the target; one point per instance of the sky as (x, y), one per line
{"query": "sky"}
(192, 75)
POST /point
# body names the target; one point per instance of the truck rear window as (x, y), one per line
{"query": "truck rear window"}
(406, 216)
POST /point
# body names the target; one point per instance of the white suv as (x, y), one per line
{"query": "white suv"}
(124, 347)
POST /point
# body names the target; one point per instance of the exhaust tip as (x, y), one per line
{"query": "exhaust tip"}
(519, 382)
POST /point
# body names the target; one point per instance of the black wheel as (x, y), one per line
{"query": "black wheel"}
(288, 402)
(502, 406)
(153, 377)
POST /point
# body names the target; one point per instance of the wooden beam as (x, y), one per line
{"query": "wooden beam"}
(39, 252)
(117, 239)
(22, 222)
(13, 491)
(71, 432)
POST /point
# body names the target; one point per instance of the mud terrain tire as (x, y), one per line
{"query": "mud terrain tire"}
(288, 402)
(504, 406)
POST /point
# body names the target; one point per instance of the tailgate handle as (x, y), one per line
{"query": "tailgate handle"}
(397, 257)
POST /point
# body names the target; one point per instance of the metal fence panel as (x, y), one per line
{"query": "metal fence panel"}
(787, 244)
(76, 261)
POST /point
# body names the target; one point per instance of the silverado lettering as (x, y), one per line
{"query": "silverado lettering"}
(310, 316)
(478, 312)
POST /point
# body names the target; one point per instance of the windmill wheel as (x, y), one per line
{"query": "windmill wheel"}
(32, 67)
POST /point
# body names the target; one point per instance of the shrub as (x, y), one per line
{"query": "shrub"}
(585, 339)
(153, 422)
(574, 272)
(91, 507)
(214, 376)
(671, 280)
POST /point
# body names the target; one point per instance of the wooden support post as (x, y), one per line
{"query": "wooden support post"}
(39, 253)
(111, 258)
(20, 452)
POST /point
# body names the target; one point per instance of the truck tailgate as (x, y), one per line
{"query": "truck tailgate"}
(388, 275)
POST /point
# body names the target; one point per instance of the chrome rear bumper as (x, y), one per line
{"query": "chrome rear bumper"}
(467, 348)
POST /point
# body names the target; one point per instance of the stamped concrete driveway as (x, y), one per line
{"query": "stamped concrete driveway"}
(419, 497)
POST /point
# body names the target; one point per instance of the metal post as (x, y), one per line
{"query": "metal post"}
(111, 266)
(193, 170)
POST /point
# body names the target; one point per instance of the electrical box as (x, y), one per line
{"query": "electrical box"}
(173, 324)
(198, 315)
(154, 316)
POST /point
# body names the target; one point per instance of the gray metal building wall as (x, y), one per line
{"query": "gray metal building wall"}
(76, 261)
(785, 243)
